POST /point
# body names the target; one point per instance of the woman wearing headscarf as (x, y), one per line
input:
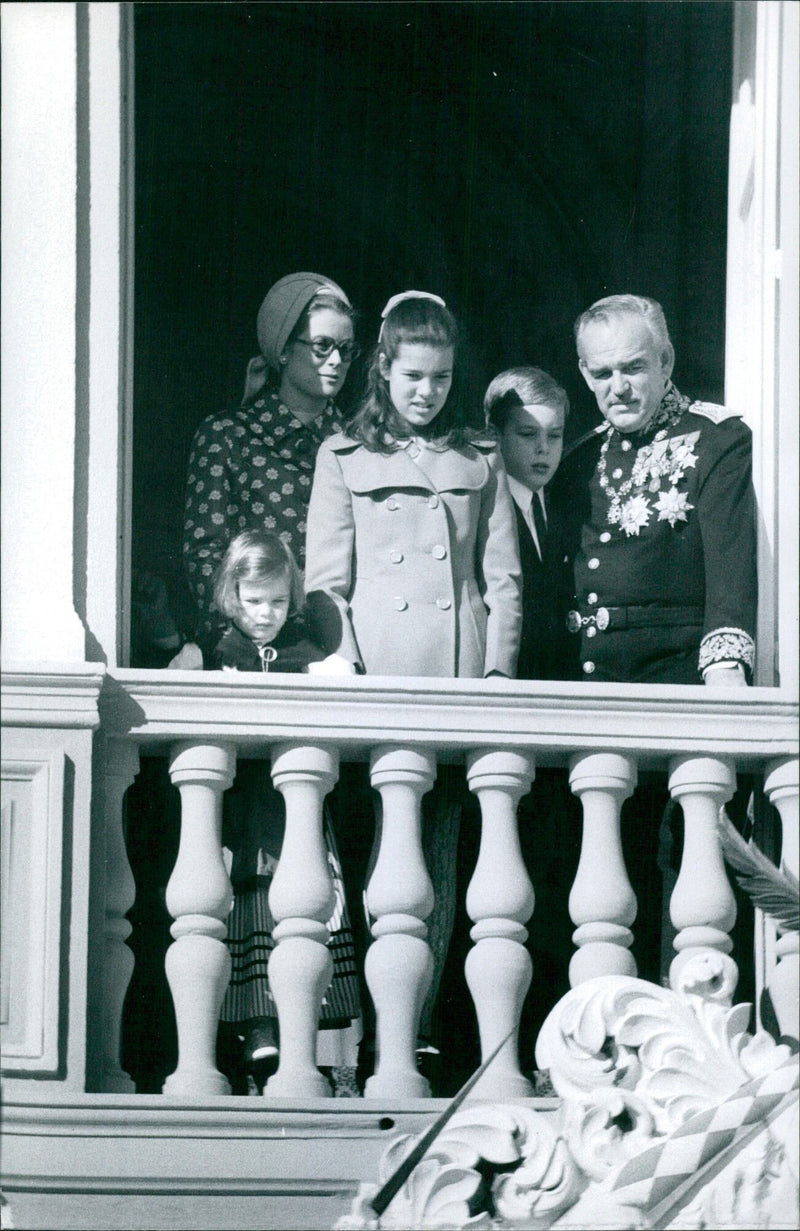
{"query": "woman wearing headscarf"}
(251, 468)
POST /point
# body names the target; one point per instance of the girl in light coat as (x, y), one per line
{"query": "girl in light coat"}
(412, 559)
(412, 563)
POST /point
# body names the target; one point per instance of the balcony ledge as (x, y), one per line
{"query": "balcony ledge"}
(653, 722)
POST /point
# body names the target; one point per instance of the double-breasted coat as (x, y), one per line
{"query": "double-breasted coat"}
(412, 563)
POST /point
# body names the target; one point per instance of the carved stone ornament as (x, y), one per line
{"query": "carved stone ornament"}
(671, 1115)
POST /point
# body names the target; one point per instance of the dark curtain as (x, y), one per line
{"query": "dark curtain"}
(520, 159)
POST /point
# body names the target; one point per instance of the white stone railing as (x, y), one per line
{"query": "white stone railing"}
(603, 735)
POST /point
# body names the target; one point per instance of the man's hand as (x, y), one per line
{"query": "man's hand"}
(729, 676)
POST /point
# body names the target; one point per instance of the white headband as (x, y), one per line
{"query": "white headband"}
(396, 299)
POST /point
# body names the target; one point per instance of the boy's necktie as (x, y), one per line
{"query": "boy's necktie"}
(540, 522)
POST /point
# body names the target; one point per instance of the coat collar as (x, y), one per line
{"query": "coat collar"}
(447, 470)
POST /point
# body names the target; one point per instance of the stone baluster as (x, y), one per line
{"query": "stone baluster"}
(781, 785)
(301, 899)
(702, 906)
(199, 898)
(602, 903)
(500, 901)
(399, 965)
(121, 768)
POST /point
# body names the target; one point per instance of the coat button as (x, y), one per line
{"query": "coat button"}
(396, 557)
(433, 502)
(591, 631)
(605, 537)
(616, 474)
(438, 552)
(392, 504)
(443, 604)
(591, 598)
(626, 446)
(588, 668)
(593, 563)
(399, 604)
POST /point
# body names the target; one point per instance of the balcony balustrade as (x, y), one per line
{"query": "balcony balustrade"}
(601, 737)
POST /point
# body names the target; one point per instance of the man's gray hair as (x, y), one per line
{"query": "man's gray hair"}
(648, 310)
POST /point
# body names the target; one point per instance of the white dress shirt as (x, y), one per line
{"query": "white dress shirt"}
(523, 498)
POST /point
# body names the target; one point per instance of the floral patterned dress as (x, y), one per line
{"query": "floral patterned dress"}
(249, 469)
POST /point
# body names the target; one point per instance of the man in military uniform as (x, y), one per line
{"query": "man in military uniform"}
(665, 575)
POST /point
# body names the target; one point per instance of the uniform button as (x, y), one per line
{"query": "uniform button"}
(591, 598)
(593, 563)
(399, 604)
(396, 557)
(616, 474)
(392, 504)
(626, 445)
(605, 537)
(591, 631)
(433, 502)
(443, 604)
(438, 552)
(588, 668)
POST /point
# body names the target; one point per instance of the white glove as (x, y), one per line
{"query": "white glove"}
(188, 658)
(334, 664)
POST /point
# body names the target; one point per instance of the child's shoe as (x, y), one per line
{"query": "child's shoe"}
(261, 1053)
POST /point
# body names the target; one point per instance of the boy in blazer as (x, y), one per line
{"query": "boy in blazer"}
(528, 410)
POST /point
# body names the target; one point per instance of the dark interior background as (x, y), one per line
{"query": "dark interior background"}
(520, 159)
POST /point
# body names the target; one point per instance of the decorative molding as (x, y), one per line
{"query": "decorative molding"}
(556, 720)
(52, 695)
(672, 1114)
(31, 844)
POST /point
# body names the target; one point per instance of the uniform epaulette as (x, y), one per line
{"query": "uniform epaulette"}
(717, 414)
(592, 434)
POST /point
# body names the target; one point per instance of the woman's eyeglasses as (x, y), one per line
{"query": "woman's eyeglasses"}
(321, 348)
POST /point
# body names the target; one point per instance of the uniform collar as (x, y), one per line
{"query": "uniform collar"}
(671, 409)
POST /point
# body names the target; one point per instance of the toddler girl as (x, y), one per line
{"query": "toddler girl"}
(412, 564)
(258, 589)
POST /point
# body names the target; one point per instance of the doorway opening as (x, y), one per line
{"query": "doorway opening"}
(521, 160)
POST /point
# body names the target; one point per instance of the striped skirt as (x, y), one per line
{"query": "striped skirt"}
(250, 941)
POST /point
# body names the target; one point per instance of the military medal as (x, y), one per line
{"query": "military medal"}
(629, 505)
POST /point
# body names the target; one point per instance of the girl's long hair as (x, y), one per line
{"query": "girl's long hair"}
(376, 424)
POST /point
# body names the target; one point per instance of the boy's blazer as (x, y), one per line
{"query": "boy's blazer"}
(547, 651)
